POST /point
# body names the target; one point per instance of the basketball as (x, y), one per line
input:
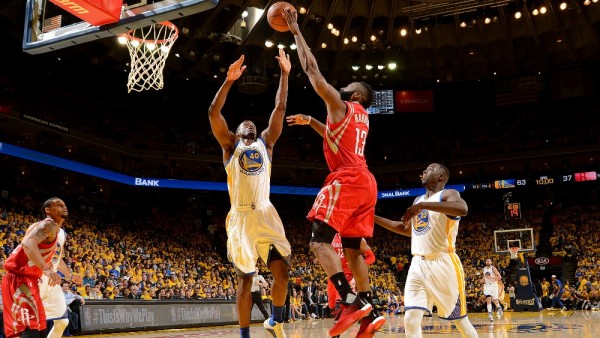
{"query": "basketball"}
(275, 17)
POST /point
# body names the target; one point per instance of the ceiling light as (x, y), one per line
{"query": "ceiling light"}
(122, 40)
(354, 39)
(346, 41)
(587, 2)
(330, 26)
(302, 10)
(373, 38)
(536, 11)
(418, 30)
(487, 20)
(244, 14)
(543, 9)
(403, 32)
(563, 6)
(368, 67)
(280, 46)
(517, 14)
(355, 67)
(380, 67)
(463, 24)
(323, 45)
(269, 43)
(392, 65)
(293, 46)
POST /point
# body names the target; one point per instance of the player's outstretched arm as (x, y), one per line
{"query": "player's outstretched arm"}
(218, 124)
(452, 205)
(302, 120)
(396, 226)
(273, 131)
(330, 95)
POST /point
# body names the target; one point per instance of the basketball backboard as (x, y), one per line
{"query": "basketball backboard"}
(49, 27)
(522, 238)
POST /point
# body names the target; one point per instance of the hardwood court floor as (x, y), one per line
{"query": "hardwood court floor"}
(550, 324)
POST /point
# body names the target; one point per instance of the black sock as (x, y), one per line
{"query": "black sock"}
(366, 295)
(342, 286)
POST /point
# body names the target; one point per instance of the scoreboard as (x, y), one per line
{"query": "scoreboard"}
(535, 181)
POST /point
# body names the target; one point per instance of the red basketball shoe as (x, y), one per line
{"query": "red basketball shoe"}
(370, 325)
(350, 315)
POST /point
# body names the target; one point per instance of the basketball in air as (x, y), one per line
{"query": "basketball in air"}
(275, 16)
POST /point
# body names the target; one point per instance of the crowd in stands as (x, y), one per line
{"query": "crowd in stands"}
(161, 257)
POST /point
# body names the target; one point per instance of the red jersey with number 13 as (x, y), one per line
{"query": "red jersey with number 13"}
(344, 142)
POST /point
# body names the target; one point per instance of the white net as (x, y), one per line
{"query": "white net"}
(514, 252)
(149, 48)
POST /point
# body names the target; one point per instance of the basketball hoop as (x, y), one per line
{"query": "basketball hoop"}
(514, 252)
(149, 48)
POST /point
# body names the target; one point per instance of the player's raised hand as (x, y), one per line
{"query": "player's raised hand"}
(236, 69)
(291, 17)
(284, 61)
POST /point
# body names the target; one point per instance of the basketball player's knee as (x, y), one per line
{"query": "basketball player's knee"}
(352, 243)
(60, 325)
(322, 233)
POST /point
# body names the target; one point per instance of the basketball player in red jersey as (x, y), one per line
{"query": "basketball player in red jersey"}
(346, 203)
(24, 314)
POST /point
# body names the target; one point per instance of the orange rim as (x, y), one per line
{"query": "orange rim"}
(167, 24)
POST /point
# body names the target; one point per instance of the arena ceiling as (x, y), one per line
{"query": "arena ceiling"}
(444, 51)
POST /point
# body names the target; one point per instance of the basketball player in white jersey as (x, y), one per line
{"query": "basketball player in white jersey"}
(254, 229)
(491, 276)
(53, 297)
(436, 275)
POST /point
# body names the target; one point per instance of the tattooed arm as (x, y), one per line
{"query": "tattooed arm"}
(41, 232)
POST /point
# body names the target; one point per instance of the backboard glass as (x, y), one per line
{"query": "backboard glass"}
(49, 27)
(522, 238)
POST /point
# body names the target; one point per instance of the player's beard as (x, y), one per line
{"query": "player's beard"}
(345, 95)
(250, 136)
